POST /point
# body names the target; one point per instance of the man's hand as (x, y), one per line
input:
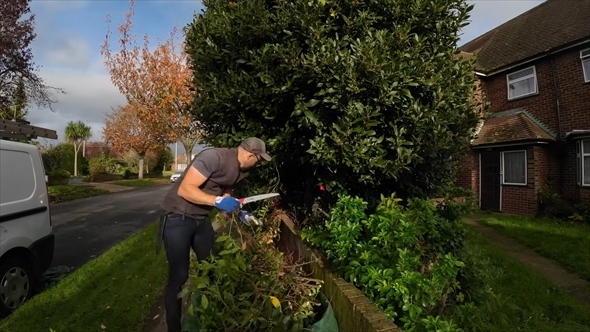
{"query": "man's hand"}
(247, 217)
(227, 204)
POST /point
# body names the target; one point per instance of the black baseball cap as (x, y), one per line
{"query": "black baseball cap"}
(256, 145)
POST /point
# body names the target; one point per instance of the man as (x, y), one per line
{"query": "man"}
(206, 184)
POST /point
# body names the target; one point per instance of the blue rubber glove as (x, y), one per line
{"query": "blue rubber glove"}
(227, 204)
(247, 217)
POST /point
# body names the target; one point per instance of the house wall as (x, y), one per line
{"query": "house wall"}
(573, 93)
(556, 165)
(468, 176)
(523, 199)
(178, 167)
(515, 199)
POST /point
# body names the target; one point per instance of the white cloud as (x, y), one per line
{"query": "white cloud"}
(90, 95)
(69, 50)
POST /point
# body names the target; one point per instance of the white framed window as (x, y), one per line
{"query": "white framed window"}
(514, 168)
(522, 83)
(583, 162)
(585, 57)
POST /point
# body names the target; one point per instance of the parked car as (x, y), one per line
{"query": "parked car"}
(175, 176)
(26, 233)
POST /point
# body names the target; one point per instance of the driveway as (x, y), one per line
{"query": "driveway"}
(86, 228)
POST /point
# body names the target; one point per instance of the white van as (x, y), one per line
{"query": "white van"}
(26, 234)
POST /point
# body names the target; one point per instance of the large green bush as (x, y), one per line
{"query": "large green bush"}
(361, 96)
(61, 156)
(405, 259)
(104, 164)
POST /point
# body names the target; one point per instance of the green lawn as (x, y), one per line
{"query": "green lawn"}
(115, 292)
(566, 243)
(143, 182)
(64, 193)
(526, 301)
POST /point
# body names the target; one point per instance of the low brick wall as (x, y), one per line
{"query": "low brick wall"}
(354, 311)
(105, 177)
(57, 180)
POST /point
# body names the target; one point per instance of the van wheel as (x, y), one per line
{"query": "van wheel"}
(16, 284)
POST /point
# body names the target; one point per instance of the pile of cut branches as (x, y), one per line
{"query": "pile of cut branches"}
(250, 285)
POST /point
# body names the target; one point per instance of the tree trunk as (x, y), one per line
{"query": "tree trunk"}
(140, 175)
(75, 161)
(188, 150)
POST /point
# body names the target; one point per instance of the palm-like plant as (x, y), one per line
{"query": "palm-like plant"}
(76, 133)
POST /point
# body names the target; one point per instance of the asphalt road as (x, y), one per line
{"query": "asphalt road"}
(86, 228)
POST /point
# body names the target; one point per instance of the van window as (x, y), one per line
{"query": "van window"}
(17, 176)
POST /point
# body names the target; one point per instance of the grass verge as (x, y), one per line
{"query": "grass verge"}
(64, 193)
(558, 240)
(114, 292)
(510, 297)
(143, 182)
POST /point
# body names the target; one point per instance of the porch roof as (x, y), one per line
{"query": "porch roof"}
(512, 126)
(576, 133)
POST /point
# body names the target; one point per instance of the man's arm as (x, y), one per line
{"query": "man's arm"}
(200, 170)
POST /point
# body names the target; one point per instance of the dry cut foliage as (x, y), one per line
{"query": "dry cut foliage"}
(156, 83)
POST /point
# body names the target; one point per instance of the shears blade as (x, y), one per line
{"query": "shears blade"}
(255, 198)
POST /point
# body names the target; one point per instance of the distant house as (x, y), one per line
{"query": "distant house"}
(96, 149)
(534, 70)
(181, 163)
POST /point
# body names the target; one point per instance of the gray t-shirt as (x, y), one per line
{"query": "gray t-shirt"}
(221, 168)
(207, 162)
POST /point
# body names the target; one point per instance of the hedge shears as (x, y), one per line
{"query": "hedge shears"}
(246, 200)
(247, 217)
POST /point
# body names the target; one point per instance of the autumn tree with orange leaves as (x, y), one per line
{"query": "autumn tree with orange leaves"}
(125, 131)
(157, 84)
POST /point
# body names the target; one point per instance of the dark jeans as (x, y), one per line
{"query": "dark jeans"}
(181, 234)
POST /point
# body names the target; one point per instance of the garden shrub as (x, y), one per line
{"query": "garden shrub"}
(360, 96)
(58, 177)
(62, 173)
(51, 159)
(250, 286)
(61, 156)
(554, 205)
(403, 258)
(104, 164)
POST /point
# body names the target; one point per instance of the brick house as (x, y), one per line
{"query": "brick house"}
(180, 163)
(96, 149)
(534, 71)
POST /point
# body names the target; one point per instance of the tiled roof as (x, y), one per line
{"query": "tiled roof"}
(550, 25)
(512, 126)
(464, 55)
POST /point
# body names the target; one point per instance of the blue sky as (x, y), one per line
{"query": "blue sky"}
(70, 33)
